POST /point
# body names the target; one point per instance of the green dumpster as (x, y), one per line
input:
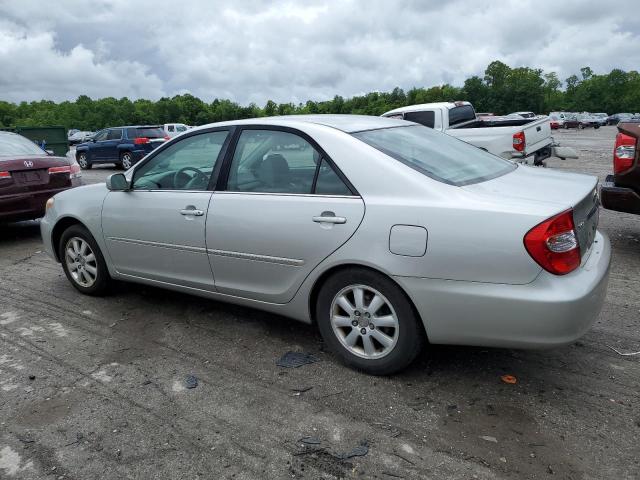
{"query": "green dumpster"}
(55, 137)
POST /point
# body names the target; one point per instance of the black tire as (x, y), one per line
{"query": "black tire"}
(126, 160)
(102, 278)
(596, 126)
(83, 162)
(410, 333)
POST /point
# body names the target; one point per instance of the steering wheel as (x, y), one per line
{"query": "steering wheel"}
(181, 184)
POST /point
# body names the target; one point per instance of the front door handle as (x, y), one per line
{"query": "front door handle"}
(329, 217)
(191, 211)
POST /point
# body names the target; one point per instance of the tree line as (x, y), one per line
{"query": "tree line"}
(501, 90)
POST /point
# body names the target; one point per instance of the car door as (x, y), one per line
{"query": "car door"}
(282, 208)
(94, 146)
(108, 148)
(156, 229)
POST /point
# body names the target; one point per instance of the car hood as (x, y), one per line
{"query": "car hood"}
(538, 185)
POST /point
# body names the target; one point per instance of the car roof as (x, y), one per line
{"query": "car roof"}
(134, 126)
(343, 122)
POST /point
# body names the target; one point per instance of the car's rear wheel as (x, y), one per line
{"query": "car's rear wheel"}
(368, 321)
(126, 160)
(82, 261)
(83, 162)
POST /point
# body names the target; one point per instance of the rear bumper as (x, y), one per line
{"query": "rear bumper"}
(619, 199)
(27, 206)
(550, 311)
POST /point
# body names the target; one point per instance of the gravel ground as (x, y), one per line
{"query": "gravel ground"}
(94, 387)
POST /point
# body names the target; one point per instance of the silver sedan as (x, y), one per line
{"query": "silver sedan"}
(386, 234)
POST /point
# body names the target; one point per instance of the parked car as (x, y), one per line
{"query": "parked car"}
(524, 114)
(619, 117)
(29, 176)
(621, 191)
(555, 122)
(173, 129)
(457, 246)
(602, 118)
(80, 137)
(515, 137)
(71, 132)
(570, 121)
(586, 120)
(123, 146)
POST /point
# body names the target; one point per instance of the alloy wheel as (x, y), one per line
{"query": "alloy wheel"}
(364, 321)
(82, 160)
(126, 161)
(81, 262)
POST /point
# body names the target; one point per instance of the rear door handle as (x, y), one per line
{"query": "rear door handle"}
(192, 211)
(329, 217)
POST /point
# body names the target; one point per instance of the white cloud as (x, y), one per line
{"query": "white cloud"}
(283, 50)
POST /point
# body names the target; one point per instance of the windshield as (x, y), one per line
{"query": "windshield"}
(149, 132)
(437, 155)
(12, 145)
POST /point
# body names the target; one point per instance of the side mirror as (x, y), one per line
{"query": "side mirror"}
(50, 152)
(117, 182)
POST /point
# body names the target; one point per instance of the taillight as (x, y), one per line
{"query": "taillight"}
(553, 244)
(167, 137)
(140, 140)
(519, 142)
(623, 153)
(5, 174)
(75, 171)
(65, 169)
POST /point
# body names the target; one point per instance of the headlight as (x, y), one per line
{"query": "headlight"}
(49, 204)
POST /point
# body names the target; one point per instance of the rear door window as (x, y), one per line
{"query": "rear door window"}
(426, 118)
(114, 134)
(461, 114)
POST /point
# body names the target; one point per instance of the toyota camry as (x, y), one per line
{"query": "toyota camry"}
(387, 235)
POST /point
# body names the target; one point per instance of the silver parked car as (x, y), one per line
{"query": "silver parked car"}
(384, 233)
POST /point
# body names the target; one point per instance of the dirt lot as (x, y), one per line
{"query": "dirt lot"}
(94, 387)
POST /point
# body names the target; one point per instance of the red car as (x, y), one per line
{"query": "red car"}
(621, 191)
(29, 176)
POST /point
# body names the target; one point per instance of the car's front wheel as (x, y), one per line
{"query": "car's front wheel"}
(83, 162)
(368, 321)
(82, 261)
(126, 160)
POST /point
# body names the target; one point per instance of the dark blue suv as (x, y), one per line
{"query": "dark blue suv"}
(123, 146)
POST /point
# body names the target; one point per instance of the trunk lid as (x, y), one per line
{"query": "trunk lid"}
(31, 173)
(549, 191)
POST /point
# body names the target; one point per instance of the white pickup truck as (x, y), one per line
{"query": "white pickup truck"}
(513, 138)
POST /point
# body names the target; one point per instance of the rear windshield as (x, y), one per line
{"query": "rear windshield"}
(461, 114)
(12, 145)
(146, 132)
(437, 155)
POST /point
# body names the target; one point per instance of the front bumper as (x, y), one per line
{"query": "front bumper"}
(550, 311)
(619, 199)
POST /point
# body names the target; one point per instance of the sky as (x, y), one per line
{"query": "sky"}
(294, 51)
